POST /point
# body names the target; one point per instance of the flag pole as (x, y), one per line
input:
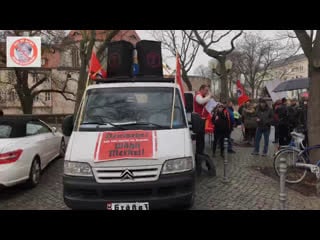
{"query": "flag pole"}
(80, 110)
(174, 93)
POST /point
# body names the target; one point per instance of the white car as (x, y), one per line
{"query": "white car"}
(27, 146)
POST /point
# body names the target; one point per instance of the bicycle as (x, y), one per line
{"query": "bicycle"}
(298, 164)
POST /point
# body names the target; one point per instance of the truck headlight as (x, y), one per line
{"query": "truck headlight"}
(77, 169)
(177, 165)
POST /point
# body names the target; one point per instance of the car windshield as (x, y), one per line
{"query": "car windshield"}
(132, 108)
(5, 131)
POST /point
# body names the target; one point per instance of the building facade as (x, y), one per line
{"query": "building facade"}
(290, 68)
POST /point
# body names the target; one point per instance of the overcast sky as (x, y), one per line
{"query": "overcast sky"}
(202, 58)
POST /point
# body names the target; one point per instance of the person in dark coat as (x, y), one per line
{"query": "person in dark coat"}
(250, 123)
(293, 115)
(222, 127)
(264, 120)
(276, 120)
(282, 111)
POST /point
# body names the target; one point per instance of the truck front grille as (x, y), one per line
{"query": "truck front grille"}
(127, 174)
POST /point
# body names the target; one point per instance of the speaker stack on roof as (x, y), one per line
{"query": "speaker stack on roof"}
(120, 62)
(149, 58)
(120, 59)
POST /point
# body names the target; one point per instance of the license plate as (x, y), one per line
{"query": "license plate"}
(128, 206)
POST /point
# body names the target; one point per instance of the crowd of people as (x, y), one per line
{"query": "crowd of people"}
(256, 120)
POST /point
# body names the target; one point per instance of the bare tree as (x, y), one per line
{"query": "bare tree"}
(254, 58)
(86, 44)
(208, 38)
(27, 91)
(203, 71)
(310, 44)
(177, 40)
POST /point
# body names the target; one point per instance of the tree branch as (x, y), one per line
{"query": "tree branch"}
(107, 40)
(56, 91)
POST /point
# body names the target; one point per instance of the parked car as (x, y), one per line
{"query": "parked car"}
(27, 146)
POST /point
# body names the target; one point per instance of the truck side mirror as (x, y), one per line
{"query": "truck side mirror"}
(189, 102)
(67, 125)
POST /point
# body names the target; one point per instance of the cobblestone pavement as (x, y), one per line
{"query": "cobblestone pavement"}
(248, 188)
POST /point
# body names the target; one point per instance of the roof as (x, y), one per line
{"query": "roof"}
(132, 84)
(285, 61)
(271, 85)
(128, 35)
(18, 124)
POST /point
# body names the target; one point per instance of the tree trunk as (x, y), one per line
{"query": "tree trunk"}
(186, 79)
(314, 114)
(83, 75)
(23, 91)
(27, 105)
(252, 92)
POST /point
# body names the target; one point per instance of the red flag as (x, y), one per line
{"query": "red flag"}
(96, 70)
(242, 96)
(178, 78)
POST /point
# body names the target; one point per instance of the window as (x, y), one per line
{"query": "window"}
(301, 68)
(122, 106)
(35, 128)
(12, 96)
(75, 58)
(35, 77)
(5, 131)
(47, 96)
(37, 98)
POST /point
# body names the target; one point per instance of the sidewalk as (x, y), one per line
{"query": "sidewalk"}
(248, 189)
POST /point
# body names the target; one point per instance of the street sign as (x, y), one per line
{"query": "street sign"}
(23, 51)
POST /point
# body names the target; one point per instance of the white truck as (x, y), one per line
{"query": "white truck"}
(129, 148)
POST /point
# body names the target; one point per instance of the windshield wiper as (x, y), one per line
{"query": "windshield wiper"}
(145, 124)
(102, 122)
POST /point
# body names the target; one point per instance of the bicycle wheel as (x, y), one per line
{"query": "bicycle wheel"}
(294, 174)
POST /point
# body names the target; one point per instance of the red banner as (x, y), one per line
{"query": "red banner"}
(117, 145)
(95, 69)
(242, 96)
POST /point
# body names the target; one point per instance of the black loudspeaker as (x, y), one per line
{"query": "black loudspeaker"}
(149, 58)
(120, 59)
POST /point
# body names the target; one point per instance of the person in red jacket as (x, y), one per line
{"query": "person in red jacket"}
(201, 98)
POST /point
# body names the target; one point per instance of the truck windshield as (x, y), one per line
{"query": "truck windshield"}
(131, 108)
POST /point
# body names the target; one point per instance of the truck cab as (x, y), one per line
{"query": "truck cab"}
(130, 148)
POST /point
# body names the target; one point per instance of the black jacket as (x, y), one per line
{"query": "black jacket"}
(266, 116)
(221, 121)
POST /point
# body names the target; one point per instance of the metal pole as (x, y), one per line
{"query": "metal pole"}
(225, 162)
(283, 194)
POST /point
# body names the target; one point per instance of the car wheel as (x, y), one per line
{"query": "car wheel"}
(34, 176)
(62, 148)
